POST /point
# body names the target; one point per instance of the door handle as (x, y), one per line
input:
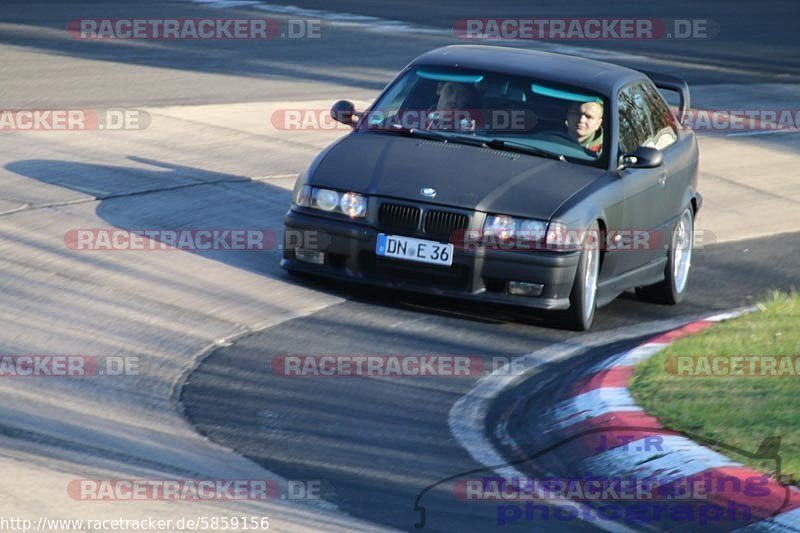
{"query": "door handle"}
(662, 178)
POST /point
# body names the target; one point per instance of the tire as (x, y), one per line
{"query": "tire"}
(583, 297)
(679, 263)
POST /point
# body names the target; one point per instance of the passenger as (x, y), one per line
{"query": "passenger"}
(584, 125)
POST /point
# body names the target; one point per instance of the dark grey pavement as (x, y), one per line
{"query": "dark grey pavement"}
(379, 442)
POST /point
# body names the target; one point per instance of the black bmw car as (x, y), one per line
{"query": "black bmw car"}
(508, 176)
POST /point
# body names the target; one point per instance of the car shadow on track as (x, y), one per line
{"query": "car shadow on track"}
(159, 195)
(153, 195)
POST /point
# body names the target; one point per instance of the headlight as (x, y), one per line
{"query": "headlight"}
(532, 230)
(505, 227)
(325, 199)
(500, 226)
(351, 204)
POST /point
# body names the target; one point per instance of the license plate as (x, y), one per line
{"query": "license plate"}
(412, 249)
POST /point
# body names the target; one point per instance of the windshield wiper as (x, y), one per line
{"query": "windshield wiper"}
(514, 146)
(412, 132)
(498, 144)
(433, 135)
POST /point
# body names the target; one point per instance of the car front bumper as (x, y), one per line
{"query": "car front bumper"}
(478, 275)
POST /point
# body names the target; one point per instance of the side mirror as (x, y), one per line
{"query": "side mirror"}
(642, 157)
(345, 112)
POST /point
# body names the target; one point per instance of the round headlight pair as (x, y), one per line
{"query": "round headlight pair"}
(506, 227)
(351, 204)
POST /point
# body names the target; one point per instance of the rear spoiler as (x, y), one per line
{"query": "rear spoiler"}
(668, 82)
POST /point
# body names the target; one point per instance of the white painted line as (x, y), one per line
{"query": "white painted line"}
(631, 357)
(590, 404)
(675, 457)
(731, 314)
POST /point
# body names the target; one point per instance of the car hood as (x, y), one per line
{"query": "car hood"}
(464, 176)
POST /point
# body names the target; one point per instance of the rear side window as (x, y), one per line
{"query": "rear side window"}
(664, 124)
(644, 119)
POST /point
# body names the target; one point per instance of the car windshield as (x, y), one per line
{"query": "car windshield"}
(510, 112)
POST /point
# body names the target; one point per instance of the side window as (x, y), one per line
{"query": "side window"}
(665, 126)
(644, 119)
(634, 120)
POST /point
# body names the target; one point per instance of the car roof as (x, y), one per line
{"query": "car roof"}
(598, 76)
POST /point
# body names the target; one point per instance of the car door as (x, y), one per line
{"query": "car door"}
(676, 149)
(646, 204)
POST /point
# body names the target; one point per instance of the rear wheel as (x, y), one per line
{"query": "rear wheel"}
(679, 262)
(583, 297)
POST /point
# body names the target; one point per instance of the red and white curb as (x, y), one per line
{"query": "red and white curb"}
(468, 416)
(610, 435)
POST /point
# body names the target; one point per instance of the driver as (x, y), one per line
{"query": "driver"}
(455, 106)
(583, 125)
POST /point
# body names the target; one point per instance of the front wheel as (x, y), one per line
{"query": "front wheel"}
(679, 262)
(583, 297)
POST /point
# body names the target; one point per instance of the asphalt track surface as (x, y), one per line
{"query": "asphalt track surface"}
(379, 442)
(375, 443)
